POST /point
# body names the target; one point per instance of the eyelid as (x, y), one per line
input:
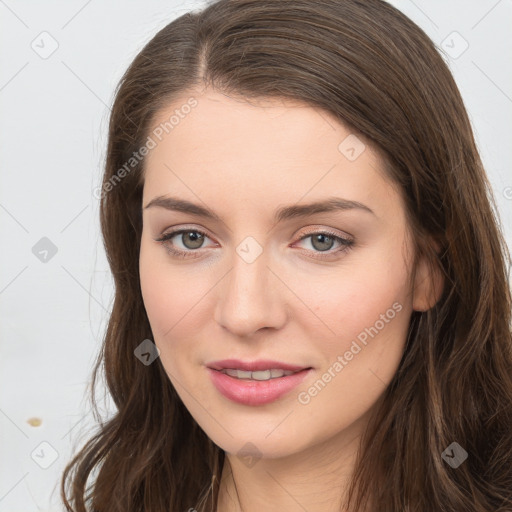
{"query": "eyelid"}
(330, 231)
(175, 231)
(310, 231)
(347, 241)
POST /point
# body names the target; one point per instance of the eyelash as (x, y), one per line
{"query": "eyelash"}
(346, 243)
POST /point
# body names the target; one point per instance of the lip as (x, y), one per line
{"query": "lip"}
(254, 392)
(254, 366)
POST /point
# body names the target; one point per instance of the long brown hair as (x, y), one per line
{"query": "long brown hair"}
(370, 66)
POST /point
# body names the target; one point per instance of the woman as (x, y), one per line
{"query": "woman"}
(311, 301)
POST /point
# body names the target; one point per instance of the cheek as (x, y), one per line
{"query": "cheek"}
(166, 288)
(159, 298)
(369, 315)
(356, 296)
(176, 303)
(160, 292)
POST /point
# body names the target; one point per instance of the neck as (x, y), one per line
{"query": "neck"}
(316, 479)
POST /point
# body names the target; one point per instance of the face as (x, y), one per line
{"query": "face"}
(325, 291)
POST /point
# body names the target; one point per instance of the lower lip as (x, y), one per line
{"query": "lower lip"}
(255, 392)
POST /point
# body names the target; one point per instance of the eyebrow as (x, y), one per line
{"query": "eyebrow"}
(284, 213)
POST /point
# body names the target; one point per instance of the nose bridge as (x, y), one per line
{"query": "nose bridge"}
(248, 298)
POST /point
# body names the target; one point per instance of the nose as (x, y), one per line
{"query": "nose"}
(250, 298)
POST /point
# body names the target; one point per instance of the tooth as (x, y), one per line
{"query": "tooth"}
(242, 374)
(274, 373)
(261, 375)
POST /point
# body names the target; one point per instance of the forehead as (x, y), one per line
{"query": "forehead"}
(259, 150)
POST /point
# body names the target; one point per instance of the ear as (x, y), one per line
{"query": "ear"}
(428, 283)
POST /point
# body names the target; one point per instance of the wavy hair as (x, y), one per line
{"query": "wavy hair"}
(366, 63)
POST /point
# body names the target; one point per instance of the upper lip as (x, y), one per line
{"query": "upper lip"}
(254, 366)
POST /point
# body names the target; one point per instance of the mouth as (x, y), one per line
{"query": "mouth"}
(256, 366)
(273, 373)
(255, 383)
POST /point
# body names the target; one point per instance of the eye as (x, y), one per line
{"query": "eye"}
(323, 241)
(193, 239)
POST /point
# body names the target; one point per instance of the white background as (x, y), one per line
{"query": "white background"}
(52, 142)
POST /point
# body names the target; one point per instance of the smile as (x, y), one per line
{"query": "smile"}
(257, 375)
(256, 387)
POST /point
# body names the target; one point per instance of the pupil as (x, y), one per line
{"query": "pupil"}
(322, 239)
(196, 239)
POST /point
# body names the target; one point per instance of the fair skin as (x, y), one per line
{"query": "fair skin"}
(243, 161)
